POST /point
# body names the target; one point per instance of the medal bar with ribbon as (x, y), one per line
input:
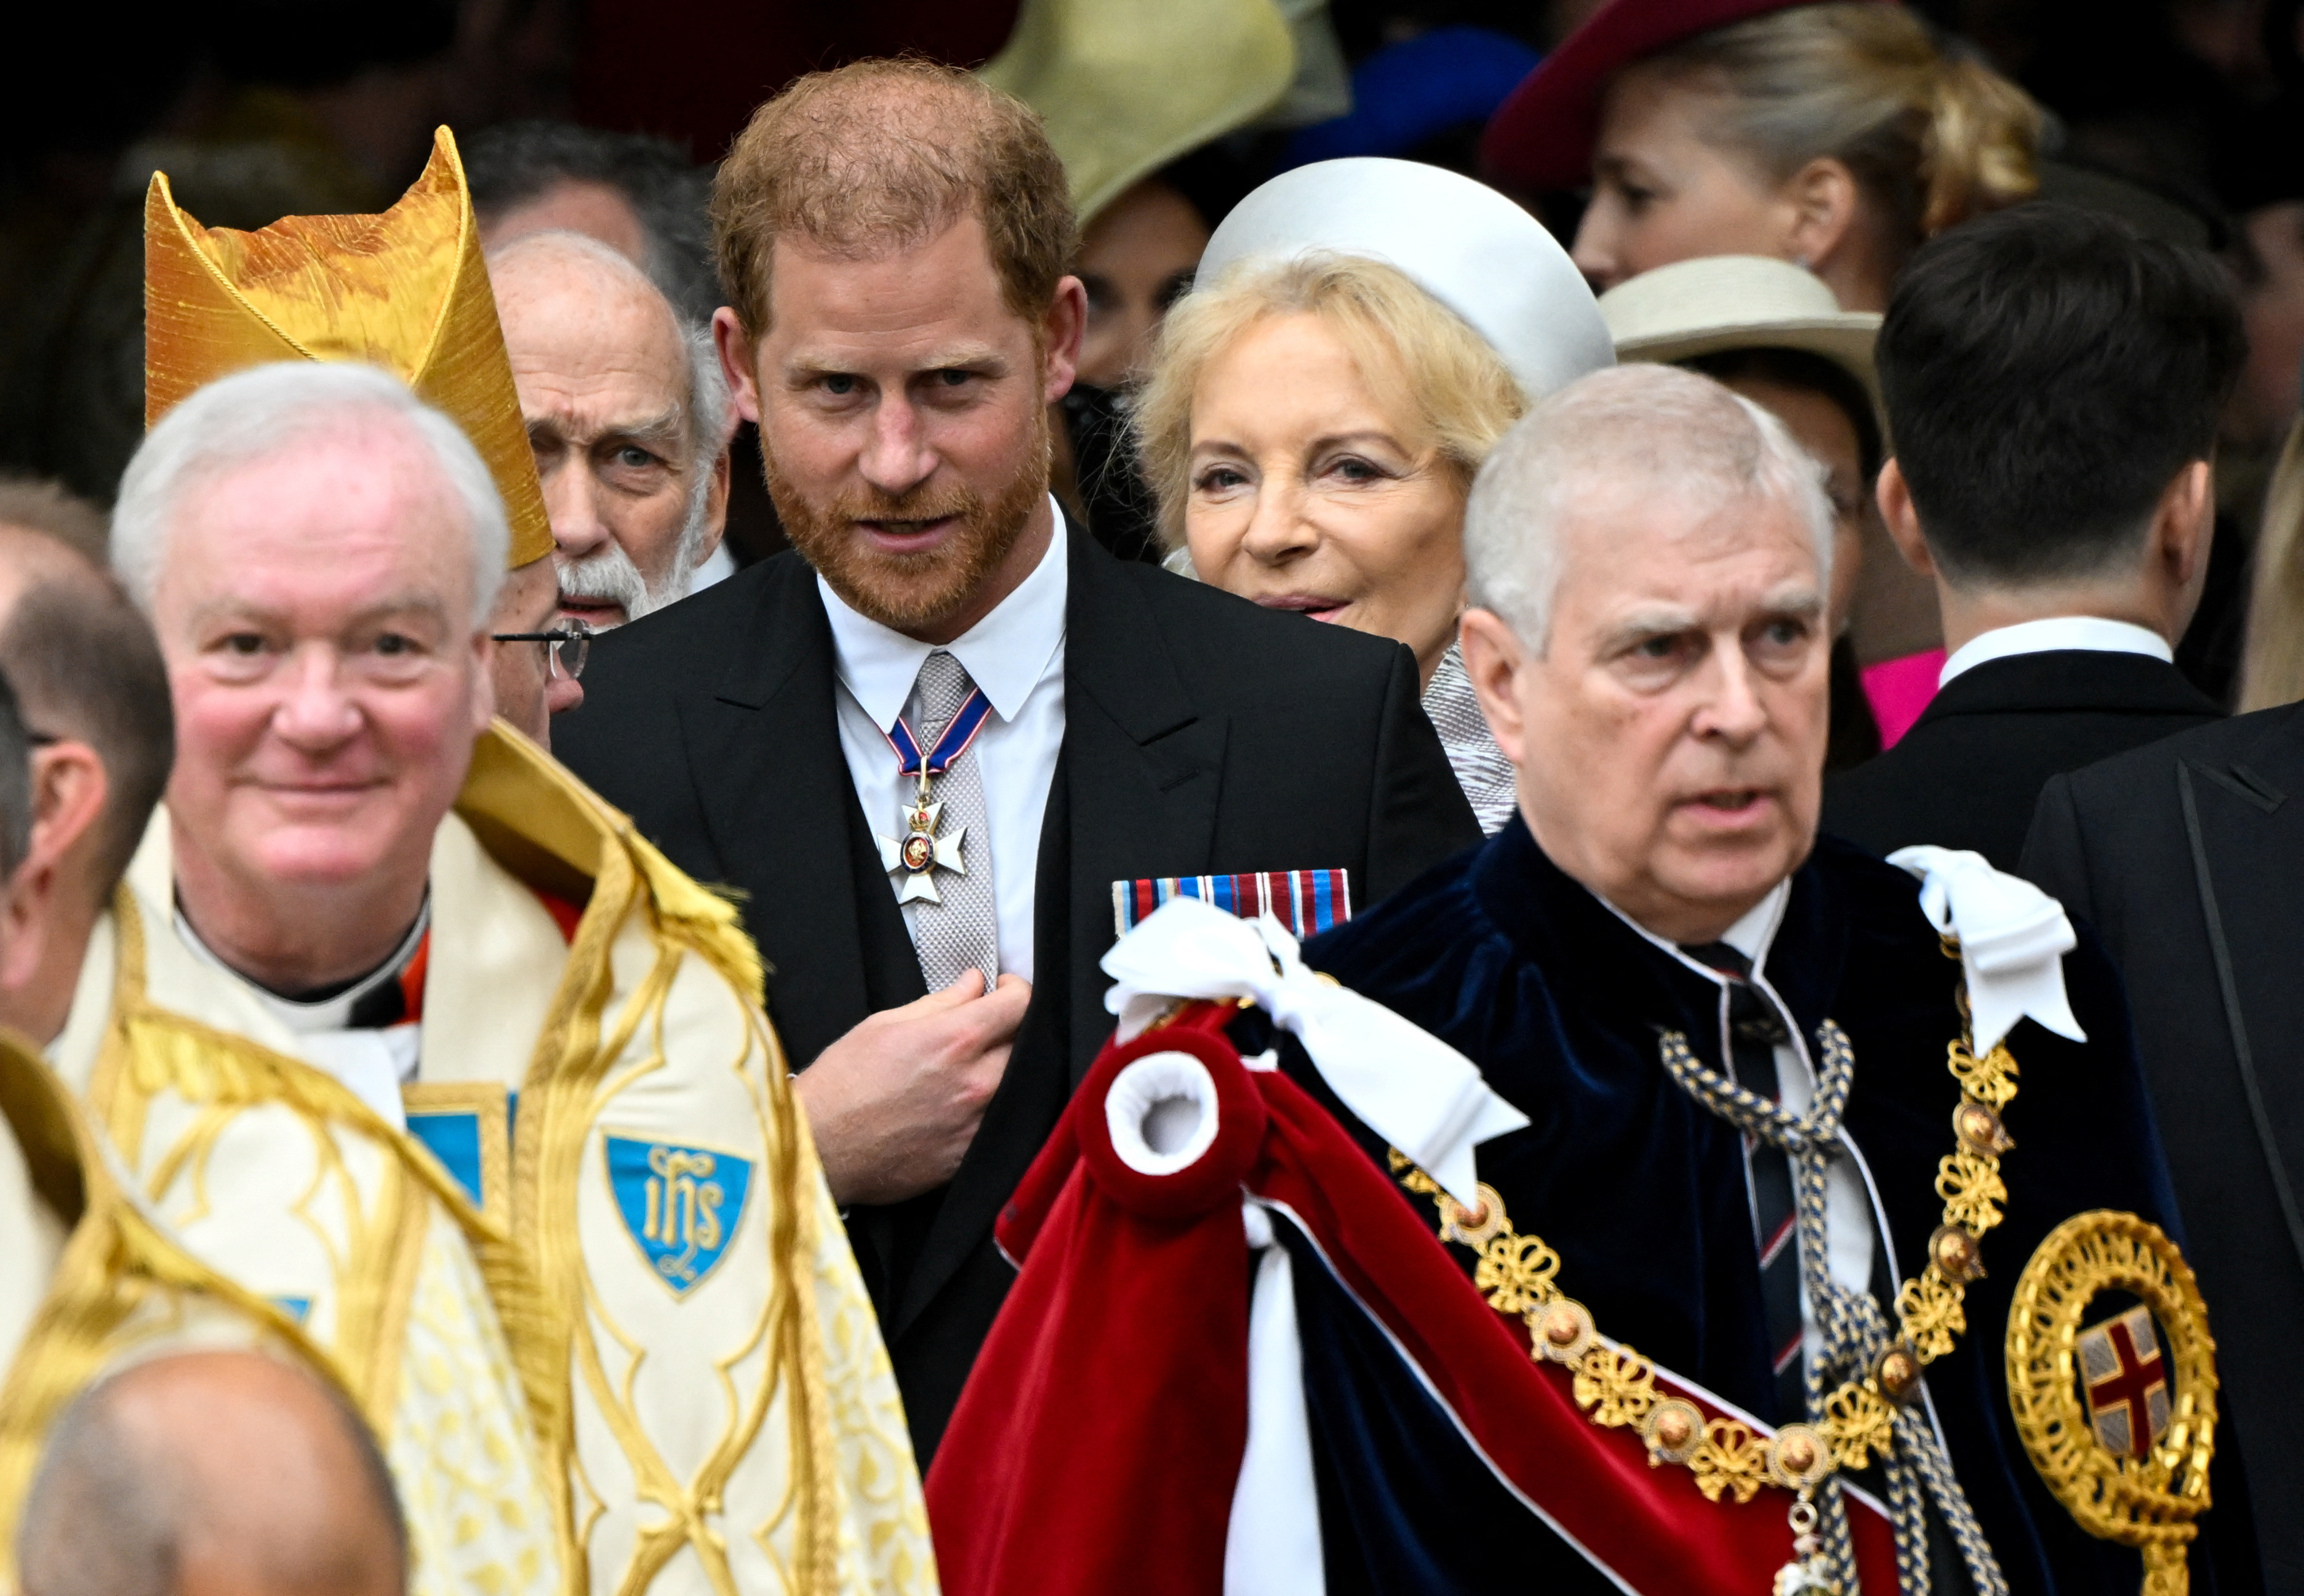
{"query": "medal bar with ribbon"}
(922, 852)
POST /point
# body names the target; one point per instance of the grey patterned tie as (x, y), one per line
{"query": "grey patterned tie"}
(962, 931)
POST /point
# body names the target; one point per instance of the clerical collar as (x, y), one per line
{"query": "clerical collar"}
(363, 1003)
(1006, 653)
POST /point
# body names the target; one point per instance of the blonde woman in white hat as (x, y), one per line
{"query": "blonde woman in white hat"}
(1775, 334)
(1364, 331)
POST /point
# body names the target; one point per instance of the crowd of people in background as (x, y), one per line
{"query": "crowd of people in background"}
(1241, 796)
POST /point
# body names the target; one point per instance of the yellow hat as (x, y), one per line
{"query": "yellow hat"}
(1126, 86)
(406, 291)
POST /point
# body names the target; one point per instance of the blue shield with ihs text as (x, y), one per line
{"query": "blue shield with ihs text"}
(681, 1204)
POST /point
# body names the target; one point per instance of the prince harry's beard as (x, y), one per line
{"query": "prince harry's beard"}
(911, 591)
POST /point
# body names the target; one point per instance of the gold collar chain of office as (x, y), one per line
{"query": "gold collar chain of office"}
(1616, 1386)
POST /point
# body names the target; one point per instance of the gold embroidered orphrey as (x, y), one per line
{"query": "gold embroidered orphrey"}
(775, 1458)
(120, 1288)
(2152, 1502)
(1616, 1385)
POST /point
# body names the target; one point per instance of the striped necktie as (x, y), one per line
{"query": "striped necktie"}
(1755, 1028)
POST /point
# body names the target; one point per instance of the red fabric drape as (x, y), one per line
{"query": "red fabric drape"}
(1097, 1443)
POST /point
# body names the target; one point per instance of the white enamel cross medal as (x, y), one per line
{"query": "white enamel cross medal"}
(922, 852)
(917, 859)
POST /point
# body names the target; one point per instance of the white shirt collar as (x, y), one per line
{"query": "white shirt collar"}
(1752, 936)
(1005, 653)
(2057, 632)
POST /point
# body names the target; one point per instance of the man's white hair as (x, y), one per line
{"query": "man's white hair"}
(711, 422)
(266, 412)
(705, 413)
(1621, 435)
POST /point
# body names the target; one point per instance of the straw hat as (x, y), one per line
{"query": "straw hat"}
(1719, 302)
(1461, 242)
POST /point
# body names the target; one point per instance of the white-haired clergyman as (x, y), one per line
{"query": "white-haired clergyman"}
(403, 1030)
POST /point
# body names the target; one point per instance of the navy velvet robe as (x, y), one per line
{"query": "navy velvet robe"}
(1641, 1190)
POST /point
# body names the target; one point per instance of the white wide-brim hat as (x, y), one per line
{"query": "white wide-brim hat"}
(1721, 302)
(1466, 245)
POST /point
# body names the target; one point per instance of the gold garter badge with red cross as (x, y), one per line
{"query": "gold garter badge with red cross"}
(2117, 1409)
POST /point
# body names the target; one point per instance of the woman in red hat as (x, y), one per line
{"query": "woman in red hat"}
(1837, 136)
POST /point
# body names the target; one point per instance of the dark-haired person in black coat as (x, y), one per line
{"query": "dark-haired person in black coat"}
(2187, 857)
(950, 739)
(2053, 383)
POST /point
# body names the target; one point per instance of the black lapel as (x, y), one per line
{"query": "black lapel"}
(1146, 770)
(765, 754)
(2245, 829)
(1135, 795)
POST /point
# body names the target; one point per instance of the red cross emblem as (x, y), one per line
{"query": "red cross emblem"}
(2127, 1382)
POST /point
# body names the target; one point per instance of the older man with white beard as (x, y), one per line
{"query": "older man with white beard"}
(630, 416)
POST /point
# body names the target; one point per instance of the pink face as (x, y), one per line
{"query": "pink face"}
(902, 412)
(315, 610)
(1670, 738)
(1308, 493)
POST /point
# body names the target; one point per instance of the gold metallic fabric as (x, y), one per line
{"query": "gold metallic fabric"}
(406, 291)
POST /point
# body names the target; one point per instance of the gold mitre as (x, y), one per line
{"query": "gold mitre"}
(406, 291)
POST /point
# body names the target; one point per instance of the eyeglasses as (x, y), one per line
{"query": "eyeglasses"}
(565, 651)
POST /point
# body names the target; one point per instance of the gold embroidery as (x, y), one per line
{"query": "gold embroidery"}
(585, 1057)
(1616, 1385)
(490, 1107)
(374, 1227)
(118, 1285)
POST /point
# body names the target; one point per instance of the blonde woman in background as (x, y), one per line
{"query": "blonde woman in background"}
(1314, 414)
(2272, 664)
(1837, 137)
(1834, 136)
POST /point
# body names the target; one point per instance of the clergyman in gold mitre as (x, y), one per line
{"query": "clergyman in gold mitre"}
(538, 1187)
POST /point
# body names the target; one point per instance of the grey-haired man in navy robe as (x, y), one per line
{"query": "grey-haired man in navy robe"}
(1731, 1037)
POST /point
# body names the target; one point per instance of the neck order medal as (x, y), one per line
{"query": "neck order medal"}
(916, 860)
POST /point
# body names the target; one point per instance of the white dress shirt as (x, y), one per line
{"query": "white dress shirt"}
(1016, 655)
(2057, 632)
(1849, 1217)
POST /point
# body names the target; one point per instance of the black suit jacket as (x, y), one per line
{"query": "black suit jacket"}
(2188, 857)
(1968, 773)
(1203, 735)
